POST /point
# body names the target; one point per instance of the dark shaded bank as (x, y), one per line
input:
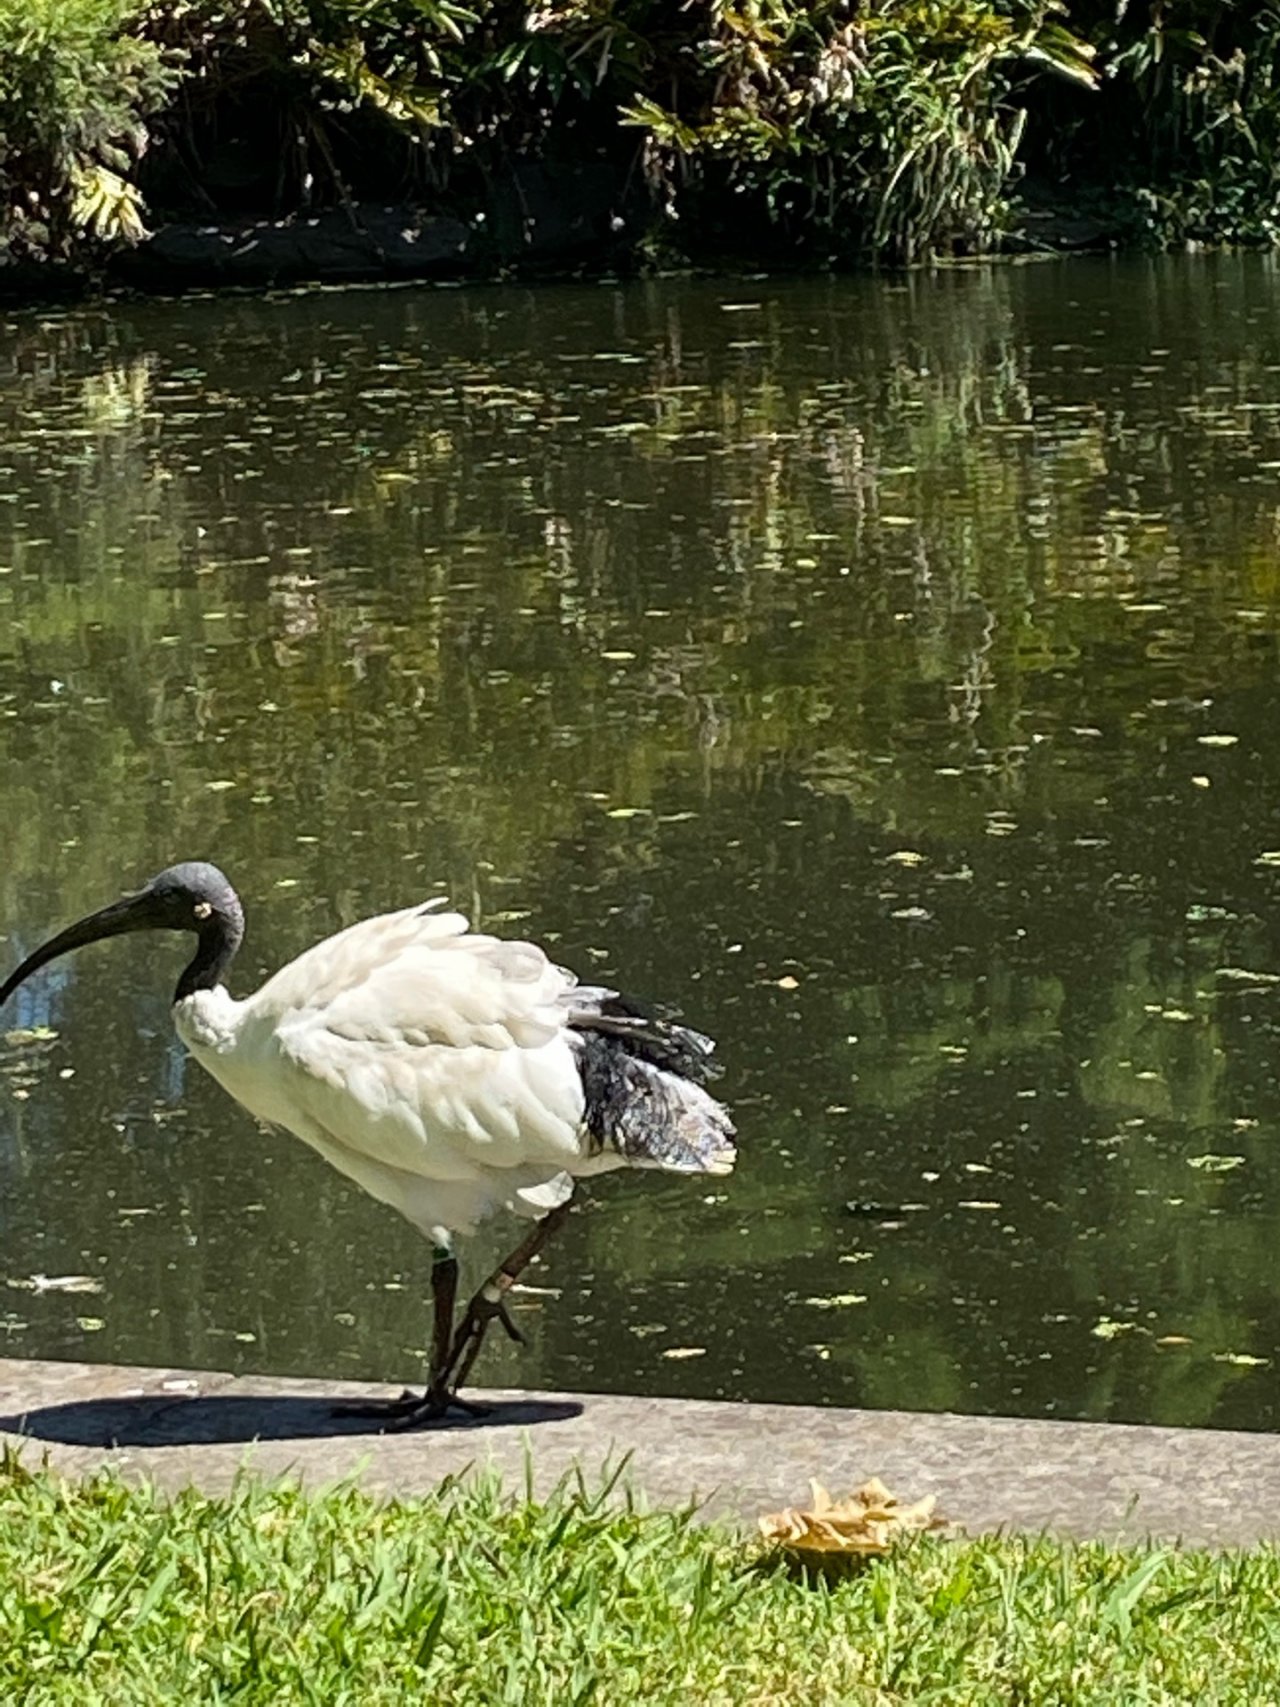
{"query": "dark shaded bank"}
(368, 244)
(569, 226)
(541, 222)
(536, 219)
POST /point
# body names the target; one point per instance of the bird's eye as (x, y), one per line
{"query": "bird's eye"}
(203, 909)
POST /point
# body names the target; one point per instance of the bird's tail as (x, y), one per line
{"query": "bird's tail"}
(643, 1081)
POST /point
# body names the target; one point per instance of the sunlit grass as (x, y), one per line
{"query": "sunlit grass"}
(110, 1593)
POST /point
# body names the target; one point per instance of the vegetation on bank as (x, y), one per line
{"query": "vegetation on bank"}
(111, 1593)
(835, 129)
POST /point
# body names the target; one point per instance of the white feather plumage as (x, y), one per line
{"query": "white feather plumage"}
(431, 1064)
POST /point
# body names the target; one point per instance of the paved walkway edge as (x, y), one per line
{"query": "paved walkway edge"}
(182, 1427)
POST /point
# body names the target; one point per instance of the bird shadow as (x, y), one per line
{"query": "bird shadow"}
(224, 1421)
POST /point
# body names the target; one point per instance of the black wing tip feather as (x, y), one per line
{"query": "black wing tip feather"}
(650, 1036)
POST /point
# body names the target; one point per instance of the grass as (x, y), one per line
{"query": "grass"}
(112, 1593)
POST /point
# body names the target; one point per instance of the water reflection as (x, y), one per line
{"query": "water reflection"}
(883, 672)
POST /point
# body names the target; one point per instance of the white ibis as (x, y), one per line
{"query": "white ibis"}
(448, 1073)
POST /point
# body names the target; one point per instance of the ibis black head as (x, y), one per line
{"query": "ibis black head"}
(190, 897)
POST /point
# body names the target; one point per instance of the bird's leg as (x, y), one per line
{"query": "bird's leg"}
(411, 1407)
(451, 1362)
(490, 1302)
(444, 1293)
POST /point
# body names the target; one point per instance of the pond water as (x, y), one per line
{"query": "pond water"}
(883, 673)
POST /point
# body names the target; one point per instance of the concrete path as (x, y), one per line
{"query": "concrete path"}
(177, 1427)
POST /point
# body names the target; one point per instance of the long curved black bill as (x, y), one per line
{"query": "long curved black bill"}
(133, 913)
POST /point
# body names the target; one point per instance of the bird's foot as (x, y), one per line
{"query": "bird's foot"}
(488, 1305)
(432, 1407)
(410, 1410)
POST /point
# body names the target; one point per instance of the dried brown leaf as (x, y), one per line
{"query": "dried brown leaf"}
(865, 1524)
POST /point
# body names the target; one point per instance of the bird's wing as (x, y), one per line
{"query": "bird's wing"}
(428, 1048)
(422, 976)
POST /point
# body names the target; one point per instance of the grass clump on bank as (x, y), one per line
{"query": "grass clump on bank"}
(110, 1593)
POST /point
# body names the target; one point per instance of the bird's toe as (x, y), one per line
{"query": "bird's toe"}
(513, 1332)
(375, 1409)
(433, 1408)
(483, 1309)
